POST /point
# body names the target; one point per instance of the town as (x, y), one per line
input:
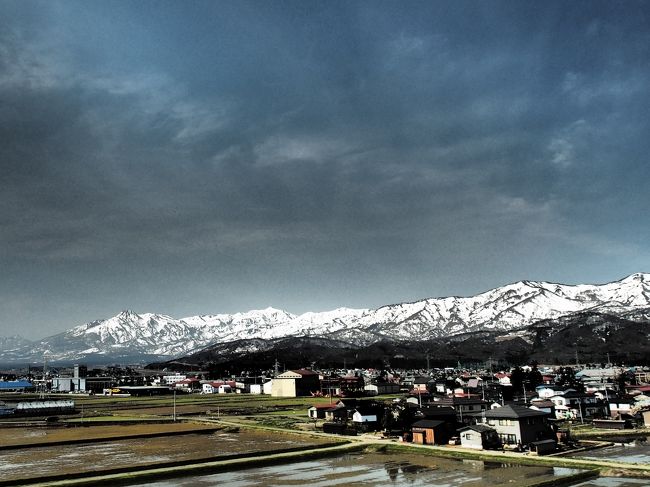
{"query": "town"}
(525, 409)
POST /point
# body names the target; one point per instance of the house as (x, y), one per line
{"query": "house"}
(367, 418)
(465, 407)
(619, 405)
(479, 437)
(572, 404)
(420, 384)
(336, 413)
(293, 383)
(431, 432)
(188, 385)
(217, 387)
(343, 386)
(365, 415)
(543, 405)
(517, 425)
(377, 388)
(503, 378)
(317, 411)
(172, 379)
(545, 391)
(442, 413)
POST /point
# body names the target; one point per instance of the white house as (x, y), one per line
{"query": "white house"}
(364, 417)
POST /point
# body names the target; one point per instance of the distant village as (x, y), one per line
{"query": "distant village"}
(526, 408)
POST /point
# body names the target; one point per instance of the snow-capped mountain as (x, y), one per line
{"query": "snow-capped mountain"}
(505, 308)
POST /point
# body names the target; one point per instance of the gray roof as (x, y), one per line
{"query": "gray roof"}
(480, 428)
(427, 423)
(512, 412)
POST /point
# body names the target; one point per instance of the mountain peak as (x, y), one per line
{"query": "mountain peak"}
(128, 314)
(637, 277)
(505, 308)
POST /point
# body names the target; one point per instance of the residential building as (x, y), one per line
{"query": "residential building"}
(517, 425)
(479, 437)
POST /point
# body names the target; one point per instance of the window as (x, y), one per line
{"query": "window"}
(508, 439)
(505, 422)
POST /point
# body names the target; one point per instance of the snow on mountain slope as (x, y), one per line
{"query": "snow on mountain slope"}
(504, 308)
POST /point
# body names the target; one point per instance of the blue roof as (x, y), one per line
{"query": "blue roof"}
(15, 384)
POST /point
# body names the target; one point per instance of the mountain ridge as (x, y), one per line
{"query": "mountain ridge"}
(504, 308)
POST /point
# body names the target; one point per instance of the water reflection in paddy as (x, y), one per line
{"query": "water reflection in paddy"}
(634, 451)
(376, 469)
(613, 482)
(53, 460)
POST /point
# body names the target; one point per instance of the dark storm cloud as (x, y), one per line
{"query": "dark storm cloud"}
(212, 157)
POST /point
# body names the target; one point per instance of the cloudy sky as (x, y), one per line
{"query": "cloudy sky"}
(204, 157)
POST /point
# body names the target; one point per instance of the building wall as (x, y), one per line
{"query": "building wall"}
(283, 387)
(525, 430)
(68, 384)
(507, 429)
(471, 439)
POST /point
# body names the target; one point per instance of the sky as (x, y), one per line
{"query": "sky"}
(213, 156)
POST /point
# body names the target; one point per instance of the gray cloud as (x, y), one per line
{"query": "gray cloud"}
(214, 157)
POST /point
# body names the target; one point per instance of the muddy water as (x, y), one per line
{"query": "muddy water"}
(375, 469)
(635, 451)
(25, 463)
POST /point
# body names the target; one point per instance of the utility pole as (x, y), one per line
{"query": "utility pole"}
(44, 384)
(174, 415)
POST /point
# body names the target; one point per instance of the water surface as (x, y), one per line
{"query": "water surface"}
(375, 469)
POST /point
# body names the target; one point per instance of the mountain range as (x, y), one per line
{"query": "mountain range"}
(501, 312)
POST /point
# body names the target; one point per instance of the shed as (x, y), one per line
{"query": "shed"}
(318, 411)
(429, 432)
(542, 447)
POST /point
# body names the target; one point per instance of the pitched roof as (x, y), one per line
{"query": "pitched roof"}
(447, 401)
(512, 412)
(304, 372)
(480, 428)
(427, 423)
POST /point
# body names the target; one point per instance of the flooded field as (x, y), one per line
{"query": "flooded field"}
(22, 463)
(634, 451)
(376, 469)
(613, 482)
(42, 435)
